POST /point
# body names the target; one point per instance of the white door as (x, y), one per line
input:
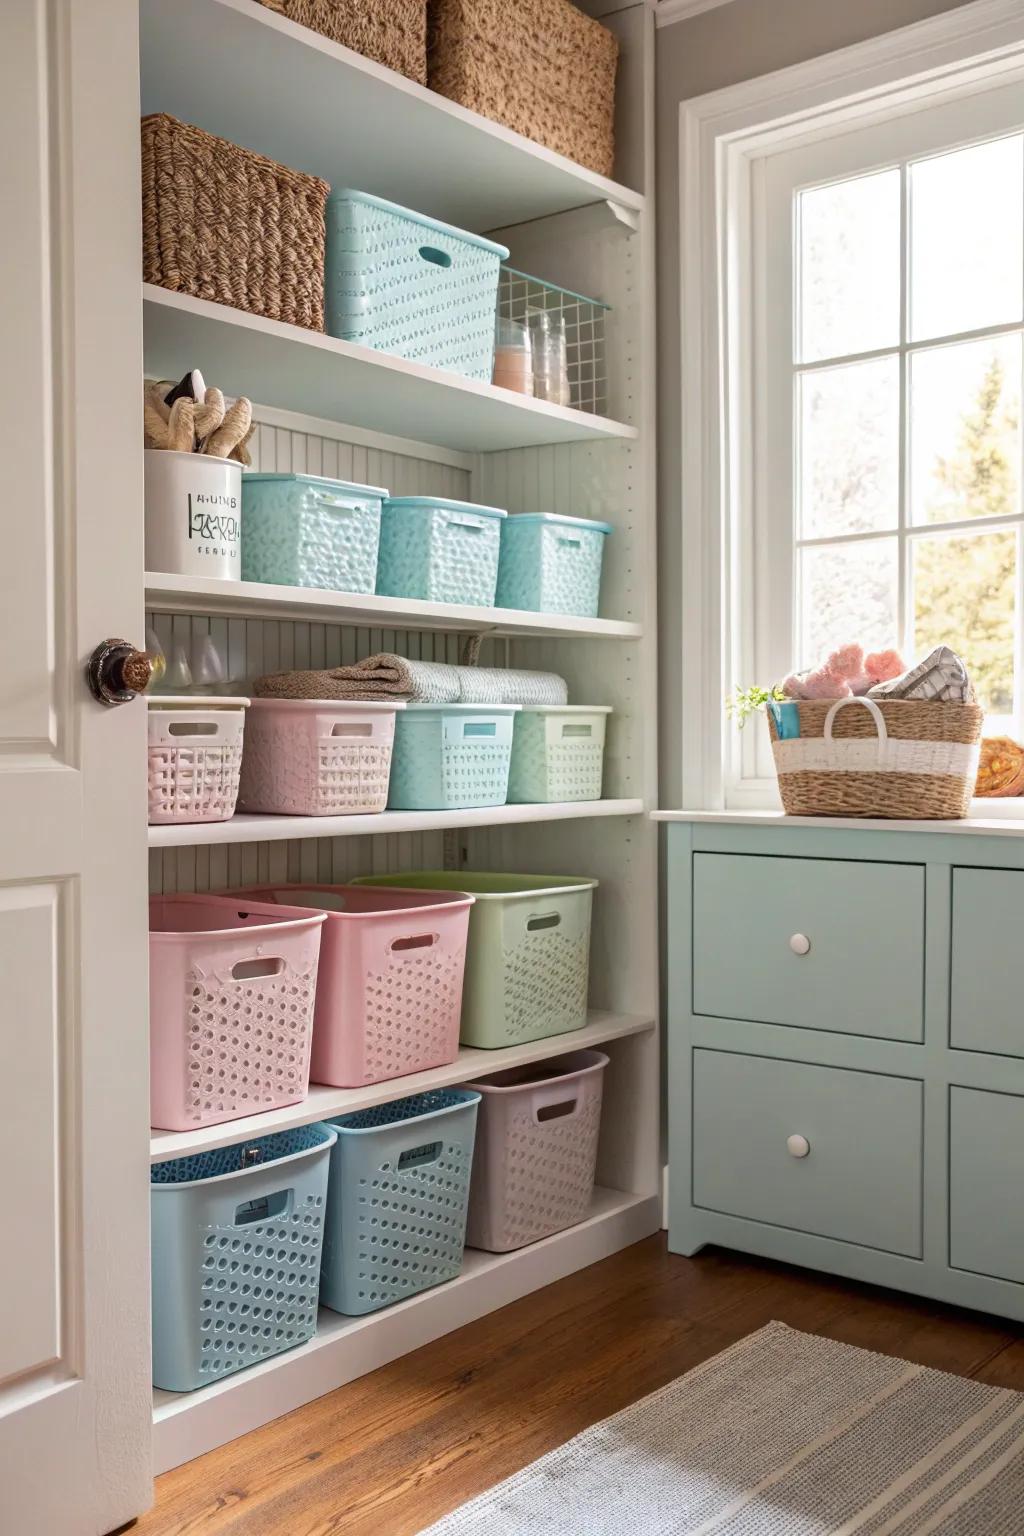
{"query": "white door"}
(75, 1414)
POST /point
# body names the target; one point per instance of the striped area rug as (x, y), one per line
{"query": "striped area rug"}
(783, 1434)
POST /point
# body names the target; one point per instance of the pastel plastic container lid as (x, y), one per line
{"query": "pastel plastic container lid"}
(194, 701)
(256, 477)
(560, 518)
(337, 706)
(464, 709)
(433, 503)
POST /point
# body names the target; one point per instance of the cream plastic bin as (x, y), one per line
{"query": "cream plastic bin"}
(557, 753)
(317, 757)
(528, 961)
(536, 1150)
(232, 984)
(195, 757)
(389, 992)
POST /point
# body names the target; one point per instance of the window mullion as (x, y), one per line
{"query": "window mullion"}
(903, 616)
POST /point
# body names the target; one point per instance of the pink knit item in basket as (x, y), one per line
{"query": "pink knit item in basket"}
(389, 996)
(536, 1150)
(317, 757)
(231, 992)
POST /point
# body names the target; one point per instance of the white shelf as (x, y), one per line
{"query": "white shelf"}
(317, 375)
(187, 1424)
(258, 600)
(238, 70)
(323, 1102)
(251, 828)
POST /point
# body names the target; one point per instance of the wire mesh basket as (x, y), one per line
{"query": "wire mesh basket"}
(521, 297)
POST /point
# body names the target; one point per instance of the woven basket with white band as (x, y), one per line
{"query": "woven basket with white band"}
(893, 758)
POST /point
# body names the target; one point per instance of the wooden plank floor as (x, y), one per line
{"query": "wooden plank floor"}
(389, 1454)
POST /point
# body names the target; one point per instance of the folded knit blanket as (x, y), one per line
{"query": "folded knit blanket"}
(942, 676)
(387, 676)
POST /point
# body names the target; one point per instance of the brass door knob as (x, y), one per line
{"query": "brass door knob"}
(117, 672)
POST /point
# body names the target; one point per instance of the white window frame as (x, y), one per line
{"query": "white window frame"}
(724, 139)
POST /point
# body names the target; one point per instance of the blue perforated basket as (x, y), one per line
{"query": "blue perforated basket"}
(397, 1199)
(310, 531)
(440, 551)
(551, 564)
(449, 757)
(237, 1236)
(409, 285)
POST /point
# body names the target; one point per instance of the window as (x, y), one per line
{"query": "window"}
(885, 383)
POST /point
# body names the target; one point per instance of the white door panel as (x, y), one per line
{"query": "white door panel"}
(74, 1337)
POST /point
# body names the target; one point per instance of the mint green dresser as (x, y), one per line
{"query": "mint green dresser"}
(846, 1048)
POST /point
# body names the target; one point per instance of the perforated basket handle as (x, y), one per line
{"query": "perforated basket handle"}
(471, 524)
(335, 503)
(414, 942)
(570, 540)
(264, 1207)
(194, 730)
(538, 921)
(256, 966)
(876, 714)
(435, 256)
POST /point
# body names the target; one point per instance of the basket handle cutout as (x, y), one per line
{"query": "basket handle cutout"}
(543, 920)
(248, 970)
(415, 941)
(415, 1157)
(193, 728)
(471, 525)
(335, 504)
(434, 256)
(263, 1209)
(556, 1111)
(570, 543)
(480, 728)
(873, 711)
(577, 730)
(350, 728)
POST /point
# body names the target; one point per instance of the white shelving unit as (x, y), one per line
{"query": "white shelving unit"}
(327, 407)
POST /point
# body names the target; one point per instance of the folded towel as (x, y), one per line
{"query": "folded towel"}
(941, 676)
(387, 676)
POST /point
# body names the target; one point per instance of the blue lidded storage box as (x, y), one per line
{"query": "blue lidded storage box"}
(310, 531)
(439, 551)
(551, 564)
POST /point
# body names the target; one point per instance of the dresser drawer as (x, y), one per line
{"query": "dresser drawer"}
(986, 1168)
(986, 1010)
(816, 1149)
(819, 943)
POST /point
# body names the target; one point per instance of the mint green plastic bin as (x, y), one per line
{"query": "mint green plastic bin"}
(528, 957)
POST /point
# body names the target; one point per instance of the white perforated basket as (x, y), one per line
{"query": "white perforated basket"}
(195, 757)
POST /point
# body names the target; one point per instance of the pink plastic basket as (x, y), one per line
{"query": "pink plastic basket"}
(315, 757)
(231, 993)
(536, 1150)
(390, 990)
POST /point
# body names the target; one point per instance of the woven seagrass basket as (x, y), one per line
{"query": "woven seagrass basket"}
(540, 67)
(394, 32)
(224, 224)
(890, 758)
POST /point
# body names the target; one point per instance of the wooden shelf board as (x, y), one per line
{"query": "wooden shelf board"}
(298, 370)
(253, 599)
(323, 1101)
(237, 69)
(187, 1424)
(251, 828)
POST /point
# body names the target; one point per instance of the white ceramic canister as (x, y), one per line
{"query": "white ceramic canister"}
(193, 514)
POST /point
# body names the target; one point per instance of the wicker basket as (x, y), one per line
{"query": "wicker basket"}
(892, 758)
(394, 32)
(224, 224)
(539, 67)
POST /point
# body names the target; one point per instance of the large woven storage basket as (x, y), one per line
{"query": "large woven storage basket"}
(222, 223)
(394, 32)
(890, 758)
(539, 67)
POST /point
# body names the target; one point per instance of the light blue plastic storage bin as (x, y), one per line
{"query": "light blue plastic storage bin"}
(237, 1237)
(449, 757)
(409, 285)
(551, 564)
(397, 1199)
(310, 531)
(440, 551)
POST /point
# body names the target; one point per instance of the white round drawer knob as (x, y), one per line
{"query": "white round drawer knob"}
(797, 1146)
(800, 944)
